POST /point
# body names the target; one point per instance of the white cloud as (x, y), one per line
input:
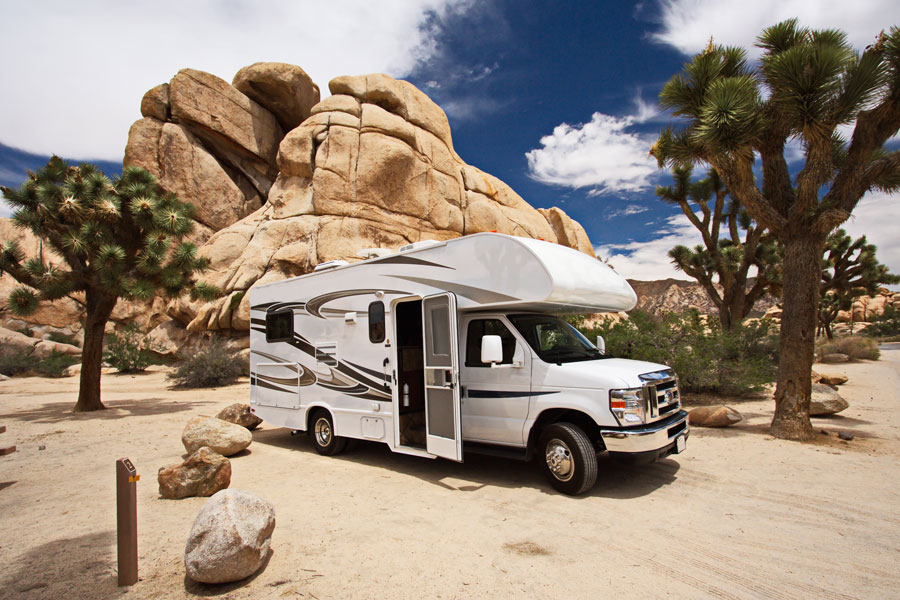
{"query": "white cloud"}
(646, 111)
(688, 24)
(631, 209)
(74, 72)
(649, 260)
(876, 216)
(600, 154)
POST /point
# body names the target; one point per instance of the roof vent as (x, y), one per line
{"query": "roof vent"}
(420, 245)
(331, 264)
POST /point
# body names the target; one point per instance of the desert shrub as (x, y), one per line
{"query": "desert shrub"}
(854, 346)
(55, 364)
(63, 338)
(705, 357)
(129, 350)
(15, 362)
(213, 365)
(886, 324)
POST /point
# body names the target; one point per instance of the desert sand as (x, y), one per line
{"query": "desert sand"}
(739, 515)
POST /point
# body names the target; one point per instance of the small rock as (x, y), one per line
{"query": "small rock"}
(3, 377)
(230, 538)
(845, 436)
(42, 447)
(221, 436)
(715, 416)
(823, 432)
(833, 379)
(240, 414)
(203, 474)
(825, 401)
(835, 358)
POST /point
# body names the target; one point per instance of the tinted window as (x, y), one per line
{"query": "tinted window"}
(280, 326)
(376, 322)
(553, 339)
(480, 328)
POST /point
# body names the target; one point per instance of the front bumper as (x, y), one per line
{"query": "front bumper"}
(647, 438)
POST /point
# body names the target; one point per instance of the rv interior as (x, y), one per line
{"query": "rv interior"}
(410, 373)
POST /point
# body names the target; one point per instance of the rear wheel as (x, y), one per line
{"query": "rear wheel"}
(322, 434)
(568, 458)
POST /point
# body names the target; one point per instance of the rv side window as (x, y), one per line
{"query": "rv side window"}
(280, 326)
(480, 328)
(376, 322)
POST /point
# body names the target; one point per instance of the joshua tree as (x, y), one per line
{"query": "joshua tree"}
(809, 82)
(849, 269)
(727, 259)
(120, 239)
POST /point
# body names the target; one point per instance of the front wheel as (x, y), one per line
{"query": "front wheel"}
(568, 458)
(322, 434)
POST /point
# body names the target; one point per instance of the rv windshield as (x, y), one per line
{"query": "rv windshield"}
(553, 339)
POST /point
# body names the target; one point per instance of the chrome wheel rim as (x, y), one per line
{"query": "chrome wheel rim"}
(559, 460)
(323, 432)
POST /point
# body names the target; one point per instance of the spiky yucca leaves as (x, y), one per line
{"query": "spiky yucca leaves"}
(849, 269)
(809, 82)
(117, 239)
(724, 258)
(130, 253)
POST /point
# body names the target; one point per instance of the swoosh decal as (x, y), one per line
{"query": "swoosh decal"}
(313, 306)
(479, 295)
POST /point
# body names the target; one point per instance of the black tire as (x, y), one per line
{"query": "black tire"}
(567, 458)
(321, 431)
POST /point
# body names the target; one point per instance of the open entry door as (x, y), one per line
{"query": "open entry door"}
(443, 432)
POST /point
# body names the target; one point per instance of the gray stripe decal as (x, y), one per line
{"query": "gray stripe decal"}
(479, 295)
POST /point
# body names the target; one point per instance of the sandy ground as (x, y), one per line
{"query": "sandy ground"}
(739, 515)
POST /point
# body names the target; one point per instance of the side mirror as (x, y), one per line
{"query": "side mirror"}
(491, 349)
(601, 344)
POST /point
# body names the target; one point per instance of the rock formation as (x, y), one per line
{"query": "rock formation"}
(372, 166)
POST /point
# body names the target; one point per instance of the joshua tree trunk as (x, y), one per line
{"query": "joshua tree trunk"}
(802, 274)
(99, 308)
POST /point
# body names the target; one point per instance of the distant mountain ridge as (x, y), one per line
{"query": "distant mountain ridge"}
(676, 295)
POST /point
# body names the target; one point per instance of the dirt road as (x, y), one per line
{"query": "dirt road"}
(739, 515)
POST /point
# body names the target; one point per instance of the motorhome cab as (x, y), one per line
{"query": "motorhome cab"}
(450, 347)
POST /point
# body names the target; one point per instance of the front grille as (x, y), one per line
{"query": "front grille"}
(661, 396)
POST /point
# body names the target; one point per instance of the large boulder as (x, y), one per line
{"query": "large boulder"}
(184, 166)
(285, 90)
(240, 414)
(372, 166)
(204, 473)
(714, 416)
(221, 436)
(825, 401)
(230, 538)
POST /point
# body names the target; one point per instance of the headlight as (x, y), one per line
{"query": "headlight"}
(627, 405)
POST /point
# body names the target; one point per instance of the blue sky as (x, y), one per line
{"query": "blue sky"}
(556, 98)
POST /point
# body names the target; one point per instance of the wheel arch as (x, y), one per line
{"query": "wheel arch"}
(564, 415)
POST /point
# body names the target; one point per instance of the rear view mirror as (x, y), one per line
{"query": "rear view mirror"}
(491, 349)
(601, 344)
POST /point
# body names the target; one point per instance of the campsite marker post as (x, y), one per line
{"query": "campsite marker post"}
(126, 520)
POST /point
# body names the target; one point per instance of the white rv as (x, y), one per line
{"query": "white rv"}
(449, 347)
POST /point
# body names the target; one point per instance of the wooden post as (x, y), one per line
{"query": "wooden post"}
(126, 520)
(8, 449)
